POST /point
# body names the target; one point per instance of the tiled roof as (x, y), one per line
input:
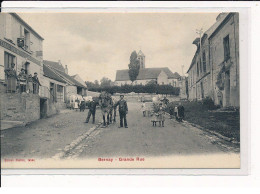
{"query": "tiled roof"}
(70, 79)
(50, 73)
(147, 73)
(55, 71)
(54, 65)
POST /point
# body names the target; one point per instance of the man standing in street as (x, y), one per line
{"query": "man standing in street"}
(123, 110)
(92, 110)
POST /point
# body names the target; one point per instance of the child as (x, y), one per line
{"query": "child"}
(161, 114)
(143, 109)
(155, 118)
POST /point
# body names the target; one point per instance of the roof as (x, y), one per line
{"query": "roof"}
(70, 79)
(212, 29)
(54, 65)
(208, 33)
(27, 25)
(50, 73)
(222, 21)
(55, 71)
(147, 73)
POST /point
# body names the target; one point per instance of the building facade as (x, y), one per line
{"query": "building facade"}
(20, 45)
(214, 70)
(161, 76)
(64, 85)
(225, 62)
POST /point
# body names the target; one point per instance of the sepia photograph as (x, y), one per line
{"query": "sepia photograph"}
(120, 90)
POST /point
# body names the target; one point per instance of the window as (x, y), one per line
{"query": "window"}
(204, 61)
(53, 92)
(59, 93)
(9, 59)
(26, 40)
(226, 48)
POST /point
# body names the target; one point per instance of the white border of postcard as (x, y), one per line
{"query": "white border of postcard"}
(244, 9)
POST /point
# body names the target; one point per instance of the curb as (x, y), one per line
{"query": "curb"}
(211, 132)
(75, 143)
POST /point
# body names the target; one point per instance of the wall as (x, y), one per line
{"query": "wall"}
(10, 28)
(173, 82)
(20, 107)
(231, 28)
(162, 78)
(70, 90)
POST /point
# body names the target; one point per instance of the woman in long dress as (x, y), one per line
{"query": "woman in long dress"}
(11, 77)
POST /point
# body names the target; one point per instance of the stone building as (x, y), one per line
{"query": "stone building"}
(224, 42)
(161, 75)
(207, 64)
(22, 45)
(66, 85)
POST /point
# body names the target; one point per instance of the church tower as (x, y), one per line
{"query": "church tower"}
(141, 58)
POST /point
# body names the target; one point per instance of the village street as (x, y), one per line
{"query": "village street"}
(67, 136)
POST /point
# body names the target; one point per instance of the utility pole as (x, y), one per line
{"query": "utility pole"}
(200, 32)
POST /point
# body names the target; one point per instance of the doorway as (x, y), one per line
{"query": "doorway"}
(227, 88)
(202, 89)
(43, 108)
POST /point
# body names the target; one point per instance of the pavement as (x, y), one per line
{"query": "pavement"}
(67, 136)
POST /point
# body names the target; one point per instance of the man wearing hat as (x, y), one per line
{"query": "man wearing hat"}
(123, 110)
(36, 83)
(92, 110)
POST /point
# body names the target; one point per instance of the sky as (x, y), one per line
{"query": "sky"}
(95, 45)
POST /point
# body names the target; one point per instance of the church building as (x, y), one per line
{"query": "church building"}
(161, 75)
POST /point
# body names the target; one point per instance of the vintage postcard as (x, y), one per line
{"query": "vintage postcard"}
(121, 90)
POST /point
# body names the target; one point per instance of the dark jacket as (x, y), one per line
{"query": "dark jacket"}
(92, 106)
(36, 80)
(122, 105)
(181, 111)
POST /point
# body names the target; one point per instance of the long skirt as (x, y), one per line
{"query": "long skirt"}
(11, 84)
(30, 87)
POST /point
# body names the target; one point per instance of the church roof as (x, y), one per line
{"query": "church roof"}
(147, 73)
(140, 53)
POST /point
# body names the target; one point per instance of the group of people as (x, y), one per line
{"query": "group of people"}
(177, 111)
(159, 109)
(21, 82)
(108, 107)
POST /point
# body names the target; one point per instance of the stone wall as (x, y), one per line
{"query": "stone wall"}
(20, 107)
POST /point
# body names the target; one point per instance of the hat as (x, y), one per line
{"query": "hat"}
(121, 95)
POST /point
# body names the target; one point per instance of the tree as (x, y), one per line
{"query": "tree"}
(96, 83)
(105, 82)
(134, 66)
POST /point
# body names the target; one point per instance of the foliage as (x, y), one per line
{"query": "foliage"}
(209, 103)
(104, 82)
(134, 66)
(152, 89)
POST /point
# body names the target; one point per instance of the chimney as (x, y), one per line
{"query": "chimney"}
(66, 69)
